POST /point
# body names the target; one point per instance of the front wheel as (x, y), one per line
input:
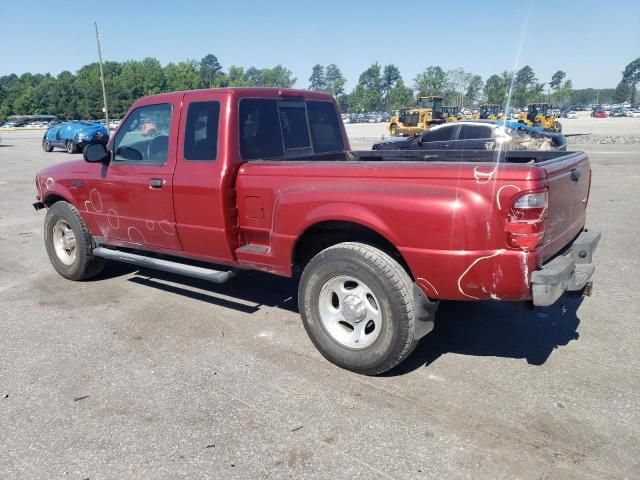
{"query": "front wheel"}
(69, 243)
(46, 145)
(558, 127)
(393, 130)
(71, 147)
(357, 307)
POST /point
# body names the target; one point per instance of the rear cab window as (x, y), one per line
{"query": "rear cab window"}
(274, 129)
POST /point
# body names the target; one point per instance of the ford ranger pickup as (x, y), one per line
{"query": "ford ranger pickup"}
(236, 179)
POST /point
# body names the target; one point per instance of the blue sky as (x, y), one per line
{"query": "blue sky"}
(591, 40)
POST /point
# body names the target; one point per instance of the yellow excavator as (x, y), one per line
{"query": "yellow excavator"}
(418, 119)
(538, 115)
(450, 113)
(488, 112)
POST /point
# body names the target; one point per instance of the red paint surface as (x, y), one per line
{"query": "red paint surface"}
(447, 219)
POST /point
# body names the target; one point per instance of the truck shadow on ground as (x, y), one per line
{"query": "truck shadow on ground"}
(498, 329)
(247, 292)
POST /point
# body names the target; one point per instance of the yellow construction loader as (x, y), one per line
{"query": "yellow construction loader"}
(538, 115)
(417, 119)
(451, 113)
(488, 112)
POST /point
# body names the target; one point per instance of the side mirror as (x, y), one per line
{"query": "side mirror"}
(95, 153)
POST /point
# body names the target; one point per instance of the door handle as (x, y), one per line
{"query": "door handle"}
(156, 183)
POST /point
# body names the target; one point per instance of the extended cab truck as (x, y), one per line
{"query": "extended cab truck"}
(264, 179)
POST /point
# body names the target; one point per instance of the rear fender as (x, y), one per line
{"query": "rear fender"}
(347, 212)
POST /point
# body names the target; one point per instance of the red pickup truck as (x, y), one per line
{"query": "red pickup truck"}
(263, 178)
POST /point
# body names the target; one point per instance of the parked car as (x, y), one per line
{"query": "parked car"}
(377, 237)
(73, 136)
(478, 135)
(571, 114)
(618, 112)
(599, 114)
(633, 113)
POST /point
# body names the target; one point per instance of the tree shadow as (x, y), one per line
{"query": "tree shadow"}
(498, 329)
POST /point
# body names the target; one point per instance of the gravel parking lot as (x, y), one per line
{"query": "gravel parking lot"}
(596, 130)
(145, 375)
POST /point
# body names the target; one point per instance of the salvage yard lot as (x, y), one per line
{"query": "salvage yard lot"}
(145, 375)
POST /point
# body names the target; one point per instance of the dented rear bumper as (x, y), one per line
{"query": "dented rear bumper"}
(570, 272)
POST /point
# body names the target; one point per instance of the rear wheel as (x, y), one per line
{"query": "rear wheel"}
(357, 306)
(46, 145)
(69, 243)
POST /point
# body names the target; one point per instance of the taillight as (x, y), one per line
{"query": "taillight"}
(525, 224)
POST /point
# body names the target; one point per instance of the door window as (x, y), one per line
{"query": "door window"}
(441, 134)
(472, 132)
(144, 137)
(201, 131)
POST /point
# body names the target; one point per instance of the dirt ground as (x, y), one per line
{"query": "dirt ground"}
(138, 374)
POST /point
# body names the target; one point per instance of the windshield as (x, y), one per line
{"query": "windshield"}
(435, 104)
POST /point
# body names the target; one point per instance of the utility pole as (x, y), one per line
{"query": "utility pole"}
(104, 90)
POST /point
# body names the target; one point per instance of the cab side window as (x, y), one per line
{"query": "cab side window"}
(441, 134)
(144, 136)
(201, 131)
(471, 132)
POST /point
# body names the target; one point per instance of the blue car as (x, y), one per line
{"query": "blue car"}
(73, 136)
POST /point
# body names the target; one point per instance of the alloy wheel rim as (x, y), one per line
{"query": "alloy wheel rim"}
(64, 242)
(350, 312)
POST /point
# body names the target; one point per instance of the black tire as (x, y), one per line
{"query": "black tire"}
(558, 128)
(84, 265)
(71, 147)
(393, 130)
(389, 283)
(46, 145)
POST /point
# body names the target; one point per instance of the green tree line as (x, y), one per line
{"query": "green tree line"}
(78, 95)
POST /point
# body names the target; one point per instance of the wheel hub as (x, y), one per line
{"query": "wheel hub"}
(68, 241)
(353, 309)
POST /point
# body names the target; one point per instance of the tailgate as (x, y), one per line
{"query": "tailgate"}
(569, 179)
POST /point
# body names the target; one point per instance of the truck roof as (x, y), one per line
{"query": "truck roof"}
(263, 92)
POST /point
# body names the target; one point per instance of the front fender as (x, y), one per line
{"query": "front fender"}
(50, 189)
